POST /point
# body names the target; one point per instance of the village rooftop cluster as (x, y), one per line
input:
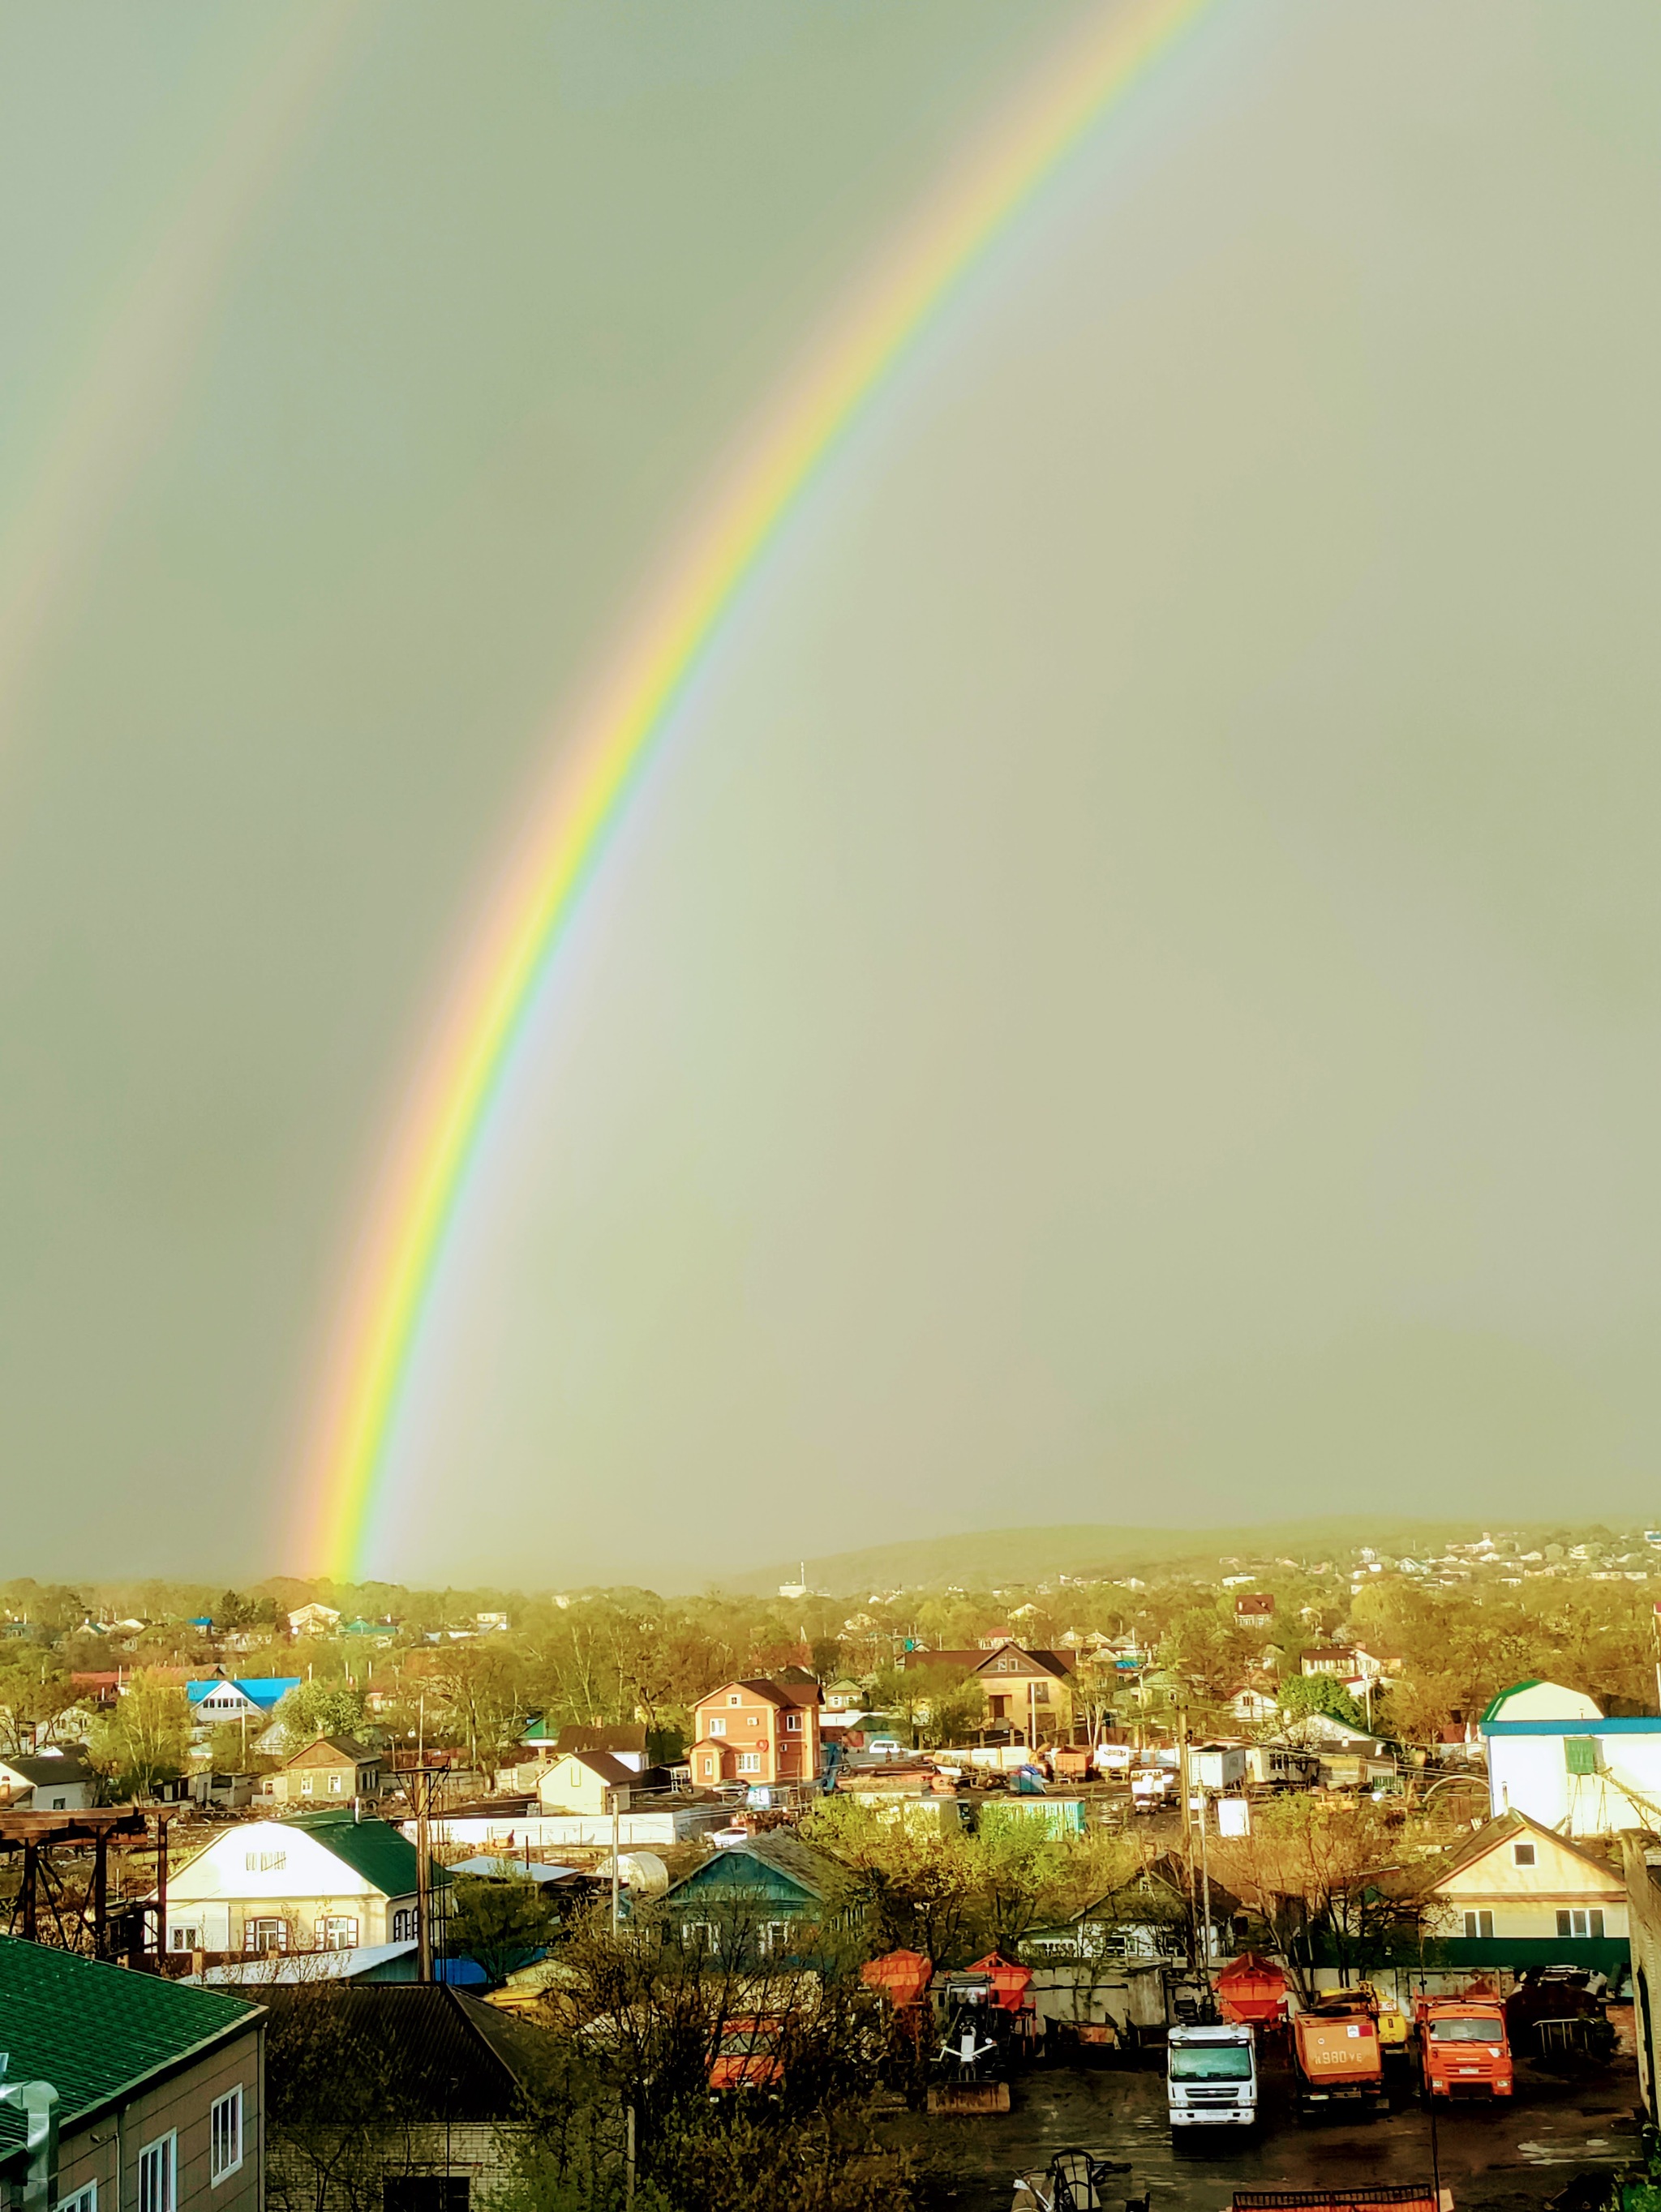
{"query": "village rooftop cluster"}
(905, 1845)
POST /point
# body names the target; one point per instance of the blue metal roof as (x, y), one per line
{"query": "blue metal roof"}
(264, 1690)
(1637, 1724)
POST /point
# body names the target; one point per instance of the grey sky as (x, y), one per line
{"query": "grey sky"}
(1132, 994)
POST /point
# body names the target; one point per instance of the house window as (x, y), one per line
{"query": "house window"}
(1522, 1854)
(1040, 1693)
(225, 2135)
(1578, 1921)
(264, 1935)
(1478, 1926)
(773, 1938)
(735, 1700)
(403, 1925)
(84, 2200)
(755, 1720)
(793, 1721)
(337, 1931)
(1580, 1754)
(335, 1783)
(749, 1762)
(306, 1785)
(425, 2193)
(709, 1768)
(156, 2175)
(717, 1728)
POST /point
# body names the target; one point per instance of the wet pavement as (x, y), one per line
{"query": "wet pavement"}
(1502, 2156)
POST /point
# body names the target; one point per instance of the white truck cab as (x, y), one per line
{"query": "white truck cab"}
(1211, 2078)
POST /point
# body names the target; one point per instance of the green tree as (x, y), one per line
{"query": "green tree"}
(34, 1691)
(319, 1708)
(500, 1923)
(146, 1740)
(1301, 1695)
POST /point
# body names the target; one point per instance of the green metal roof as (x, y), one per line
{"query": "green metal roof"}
(95, 2031)
(374, 1849)
(1492, 1713)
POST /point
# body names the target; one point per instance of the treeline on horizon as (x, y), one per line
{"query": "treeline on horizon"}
(163, 1598)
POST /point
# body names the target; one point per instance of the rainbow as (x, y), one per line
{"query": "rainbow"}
(428, 1170)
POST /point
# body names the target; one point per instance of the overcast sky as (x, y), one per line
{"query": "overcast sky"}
(1134, 991)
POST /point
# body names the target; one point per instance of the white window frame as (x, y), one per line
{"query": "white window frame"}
(85, 2199)
(1475, 1931)
(230, 2105)
(733, 1698)
(793, 1721)
(750, 1762)
(717, 1728)
(335, 1785)
(327, 1928)
(158, 2169)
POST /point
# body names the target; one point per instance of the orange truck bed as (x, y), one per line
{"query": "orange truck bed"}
(1338, 2056)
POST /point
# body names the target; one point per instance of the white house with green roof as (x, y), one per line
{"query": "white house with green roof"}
(157, 2089)
(324, 1882)
(1553, 1754)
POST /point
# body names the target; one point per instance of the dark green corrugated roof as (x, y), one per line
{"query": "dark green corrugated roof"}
(379, 1852)
(95, 2031)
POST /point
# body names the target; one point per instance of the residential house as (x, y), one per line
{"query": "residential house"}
(586, 1782)
(321, 1882)
(1030, 1693)
(1334, 1659)
(251, 1697)
(1255, 1609)
(314, 1620)
(48, 1781)
(331, 1769)
(1552, 1754)
(624, 1740)
(452, 2077)
(766, 1900)
(757, 1731)
(159, 2088)
(1256, 1708)
(1147, 1919)
(1516, 1895)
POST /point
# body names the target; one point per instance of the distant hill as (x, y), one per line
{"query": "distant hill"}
(1001, 1557)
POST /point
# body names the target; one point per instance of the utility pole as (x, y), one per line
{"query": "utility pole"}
(617, 1871)
(1188, 1818)
(1205, 1885)
(423, 1879)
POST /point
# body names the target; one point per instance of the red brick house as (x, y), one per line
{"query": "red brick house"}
(757, 1731)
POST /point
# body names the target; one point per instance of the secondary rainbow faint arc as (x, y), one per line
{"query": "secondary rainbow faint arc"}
(631, 707)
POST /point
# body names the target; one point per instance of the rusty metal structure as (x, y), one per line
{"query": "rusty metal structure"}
(46, 1910)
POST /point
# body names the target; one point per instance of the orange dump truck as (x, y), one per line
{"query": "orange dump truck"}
(1337, 2053)
(1463, 2049)
(1252, 1990)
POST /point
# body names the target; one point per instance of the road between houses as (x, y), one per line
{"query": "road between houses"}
(1502, 2157)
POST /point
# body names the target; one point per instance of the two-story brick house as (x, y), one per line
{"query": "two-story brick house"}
(757, 1731)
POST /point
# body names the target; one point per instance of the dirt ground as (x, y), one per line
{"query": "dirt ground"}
(1500, 2157)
